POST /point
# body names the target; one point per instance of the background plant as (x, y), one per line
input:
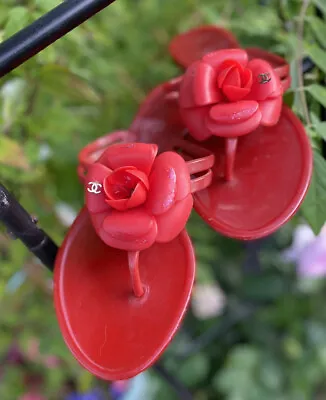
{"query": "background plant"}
(270, 340)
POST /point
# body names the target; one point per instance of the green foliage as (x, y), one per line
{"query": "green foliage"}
(318, 92)
(314, 205)
(319, 29)
(271, 338)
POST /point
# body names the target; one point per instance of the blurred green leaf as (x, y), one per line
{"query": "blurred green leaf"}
(18, 18)
(319, 127)
(321, 5)
(314, 205)
(264, 287)
(12, 154)
(318, 92)
(240, 368)
(46, 5)
(59, 80)
(288, 98)
(271, 374)
(13, 102)
(194, 369)
(318, 27)
(292, 347)
(318, 56)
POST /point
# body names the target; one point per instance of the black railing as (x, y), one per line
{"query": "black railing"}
(46, 30)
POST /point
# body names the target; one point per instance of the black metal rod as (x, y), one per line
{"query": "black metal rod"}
(22, 226)
(46, 30)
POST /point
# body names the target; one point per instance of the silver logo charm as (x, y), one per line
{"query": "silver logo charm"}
(264, 78)
(95, 187)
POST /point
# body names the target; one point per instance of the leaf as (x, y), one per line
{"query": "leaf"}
(311, 132)
(266, 287)
(288, 98)
(244, 356)
(320, 128)
(270, 373)
(314, 205)
(46, 5)
(321, 5)
(61, 82)
(240, 367)
(318, 56)
(317, 92)
(13, 98)
(319, 29)
(194, 370)
(12, 154)
(3, 14)
(18, 18)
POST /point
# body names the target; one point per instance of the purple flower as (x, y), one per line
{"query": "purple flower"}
(312, 261)
(118, 389)
(94, 394)
(74, 396)
(308, 252)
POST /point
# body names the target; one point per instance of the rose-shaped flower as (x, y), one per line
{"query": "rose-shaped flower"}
(135, 198)
(224, 94)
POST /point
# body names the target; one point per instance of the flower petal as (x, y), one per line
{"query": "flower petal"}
(194, 119)
(246, 79)
(119, 184)
(271, 111)
(194, 44)
(233, 113)
(235, 93)
(233, 78)
(141, 176)
(181, 169)
(132, 230)
(205, 88)
(236, 129)
(120, 205)
(94, 191)
(137, 198)
(139, 155)
(169, 182)
(279, 64)
(171, 223)
(199, 86)
(217, 58)
(163, 187)
(260, 91)
(223, 74)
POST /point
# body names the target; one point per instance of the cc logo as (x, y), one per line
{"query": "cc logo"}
(94, 187)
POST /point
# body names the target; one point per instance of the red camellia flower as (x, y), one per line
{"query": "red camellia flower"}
(135, 198)
(224, 94)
